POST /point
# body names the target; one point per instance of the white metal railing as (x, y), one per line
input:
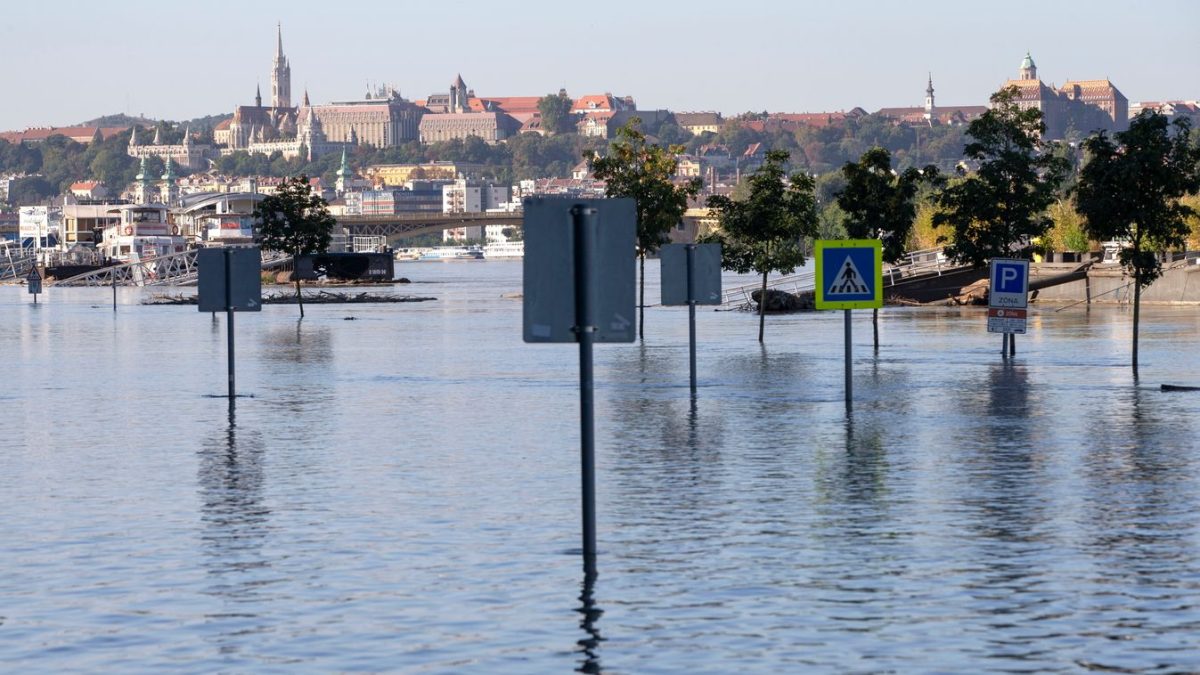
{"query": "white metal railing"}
(15, 265)
(175, 269)
(916, 262)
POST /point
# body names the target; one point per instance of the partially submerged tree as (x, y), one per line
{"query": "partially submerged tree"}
(1003, 204)
(881, 204)
(765, 232)
(1130, 190)
(645, 172)
(296, 221)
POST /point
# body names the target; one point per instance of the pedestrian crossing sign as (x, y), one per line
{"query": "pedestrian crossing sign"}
(849, 273)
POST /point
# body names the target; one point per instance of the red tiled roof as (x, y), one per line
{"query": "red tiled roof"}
(79, 134)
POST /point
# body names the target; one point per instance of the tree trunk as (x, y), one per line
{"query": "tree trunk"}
(1137, 306)
(299, 296)
(762, 308)
(875, 326)
(642, 298)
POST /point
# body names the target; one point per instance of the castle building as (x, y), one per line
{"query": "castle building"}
(382, 120)
(1077, 107)
(185, 153)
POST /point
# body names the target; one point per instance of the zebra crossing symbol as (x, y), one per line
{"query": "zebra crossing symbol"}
(849, 274)
(847, 281)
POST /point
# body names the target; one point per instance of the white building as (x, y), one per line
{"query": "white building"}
(470, 196)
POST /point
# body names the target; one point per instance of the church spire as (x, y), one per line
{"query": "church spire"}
(281, 76)
(257, 96)
(929, 99)
(306, 103)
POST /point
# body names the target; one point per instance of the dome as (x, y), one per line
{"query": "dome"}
(1027, 62)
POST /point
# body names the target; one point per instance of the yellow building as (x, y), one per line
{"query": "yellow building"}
(397, 175)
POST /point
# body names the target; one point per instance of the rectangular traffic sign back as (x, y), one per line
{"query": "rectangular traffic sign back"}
(706, 274)
(549, 269)
(244, 274)
(1009, 283)
(849, 273)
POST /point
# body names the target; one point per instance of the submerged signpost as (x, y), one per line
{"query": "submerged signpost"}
(1008, 301)
(691, 275)
(230, 279)
(849, 275)
(33, 281)
(579, 287)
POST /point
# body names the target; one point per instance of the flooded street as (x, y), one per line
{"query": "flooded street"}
(400, 491)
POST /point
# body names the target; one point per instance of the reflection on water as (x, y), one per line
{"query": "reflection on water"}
(236, 525)
(589, 615)
(397, 493)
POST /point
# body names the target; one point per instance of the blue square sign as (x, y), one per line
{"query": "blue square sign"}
(849, 274)
(1009, 283)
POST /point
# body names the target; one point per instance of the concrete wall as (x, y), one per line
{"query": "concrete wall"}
(1108, 284)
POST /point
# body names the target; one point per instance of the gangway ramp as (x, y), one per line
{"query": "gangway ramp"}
(175, 269)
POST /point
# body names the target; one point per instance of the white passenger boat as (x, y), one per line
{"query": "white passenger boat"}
(506, 250)
(452, 253)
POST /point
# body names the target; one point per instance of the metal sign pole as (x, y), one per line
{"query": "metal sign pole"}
(583, 220)
(849, 379)
(1012, 344)
(113, 272)
(691, 295)
(229, 319)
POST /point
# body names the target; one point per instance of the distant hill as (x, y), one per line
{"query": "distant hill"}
(119, 120)
(207, 122)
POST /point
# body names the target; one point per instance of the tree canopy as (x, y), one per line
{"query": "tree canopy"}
(765, 232)
(556, 113)
(879, 204)
(1130, 190)
(645, 172)
(1002, 204)
(294, 220)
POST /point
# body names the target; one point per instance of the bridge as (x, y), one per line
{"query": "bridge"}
(401, 225)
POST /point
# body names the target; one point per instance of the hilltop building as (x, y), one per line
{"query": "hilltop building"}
(931, 114)
(1077, 107)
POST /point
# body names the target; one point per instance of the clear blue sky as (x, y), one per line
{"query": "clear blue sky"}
(68, 61)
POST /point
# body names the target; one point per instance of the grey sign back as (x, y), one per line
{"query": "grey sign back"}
(549, 269)
(706, 274)
(244, 275)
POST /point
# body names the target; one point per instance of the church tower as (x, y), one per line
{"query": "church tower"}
(1028, 69)
(170, 189)
(142, 193)
(929, 100)
(343, 174)
(281, 76)
(458, 96)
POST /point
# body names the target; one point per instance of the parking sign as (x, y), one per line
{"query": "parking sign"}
(1010, 284)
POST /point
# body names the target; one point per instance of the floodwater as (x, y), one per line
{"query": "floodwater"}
(400, 492)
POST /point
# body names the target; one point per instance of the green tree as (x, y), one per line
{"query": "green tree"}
(645, 172)
(881, 204)
(556, 112)
(294, 220)
(1003, 204)
(765, 232)
(1130, 190)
